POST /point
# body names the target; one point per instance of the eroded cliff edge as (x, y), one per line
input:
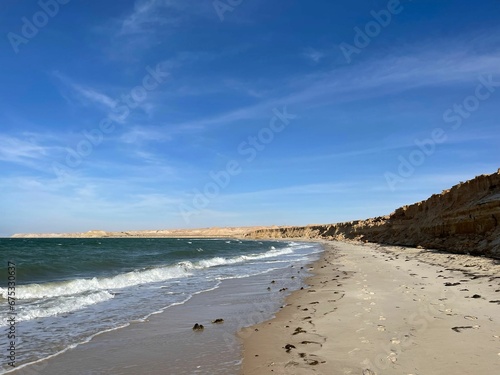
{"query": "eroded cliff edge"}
(463, 219)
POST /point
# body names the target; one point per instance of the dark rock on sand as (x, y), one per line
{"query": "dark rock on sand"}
(459, 329)
(299, 330)
(198, 327)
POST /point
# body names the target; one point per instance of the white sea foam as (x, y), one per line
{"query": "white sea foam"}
(220, 261)
(180, 270)
(78, 286)
(60, 305)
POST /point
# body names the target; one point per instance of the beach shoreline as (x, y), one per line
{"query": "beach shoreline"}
(374, 309)
(364, 309)
(166, 343)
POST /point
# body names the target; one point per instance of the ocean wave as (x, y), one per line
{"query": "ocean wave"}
(138, 277)
(79, 286)
(61, 305)
(220, 261)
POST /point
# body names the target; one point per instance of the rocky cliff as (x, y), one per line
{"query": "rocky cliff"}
(463, 219)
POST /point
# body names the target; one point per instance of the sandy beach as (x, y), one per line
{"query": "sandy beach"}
(372, 309)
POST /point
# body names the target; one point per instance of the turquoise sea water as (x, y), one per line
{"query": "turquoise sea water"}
(69, 290)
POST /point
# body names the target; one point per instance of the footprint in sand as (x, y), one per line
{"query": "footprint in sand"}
(381, 328)
(364, 340)
(353, 351)
(395, 341)
(381, 318)
(468, 317)
(392, 357)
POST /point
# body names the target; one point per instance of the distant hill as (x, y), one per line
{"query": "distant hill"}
(166, 233)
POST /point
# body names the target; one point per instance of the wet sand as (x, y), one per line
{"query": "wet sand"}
(166, 342)
(373, 309)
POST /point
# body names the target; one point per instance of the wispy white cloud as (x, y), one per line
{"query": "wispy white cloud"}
(140, 134)
(402, 71)
(98, 99)
(244, 87)
(86, 95)
(147, 14)
(26, 151)
(422, 185)
(306, 190)
(155, 201)
(95, 96)
(393, 74)
(313, 55)
(153, 16)
(398, 142)
(15, 149)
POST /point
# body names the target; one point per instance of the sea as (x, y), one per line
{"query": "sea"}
(67, 291)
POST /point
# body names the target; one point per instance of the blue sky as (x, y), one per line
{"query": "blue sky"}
(151, 114)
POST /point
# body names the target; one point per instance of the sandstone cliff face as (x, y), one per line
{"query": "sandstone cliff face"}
(463, 219)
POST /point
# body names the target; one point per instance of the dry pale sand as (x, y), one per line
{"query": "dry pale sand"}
(373, 309)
